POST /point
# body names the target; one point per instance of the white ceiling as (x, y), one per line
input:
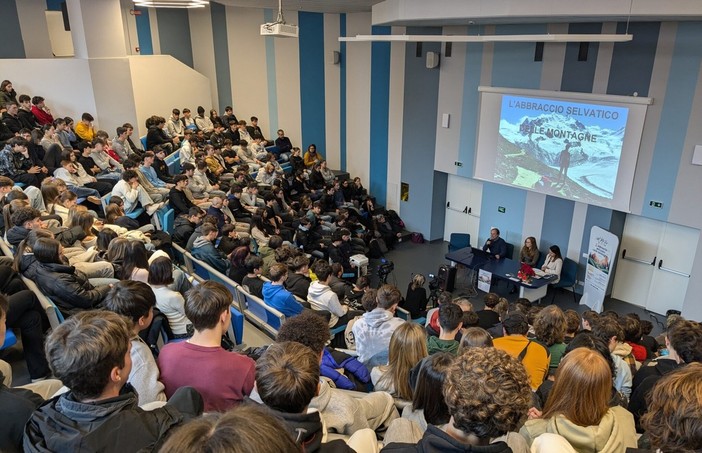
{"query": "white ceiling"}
(319, 6)
(466, 12)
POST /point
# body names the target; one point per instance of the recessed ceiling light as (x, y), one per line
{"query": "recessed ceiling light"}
(172, 3)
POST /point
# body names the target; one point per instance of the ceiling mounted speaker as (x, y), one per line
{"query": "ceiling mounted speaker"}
(432, 60)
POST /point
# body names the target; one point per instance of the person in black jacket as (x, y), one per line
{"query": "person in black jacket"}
(179, 201)
(185, 224)
(160, 165)
(17, 404)
(416, 299)
(298, 281)
(89, 353)
(68, 288)
(684, 343)
(157, 136)
(26, 218)
(340, 250)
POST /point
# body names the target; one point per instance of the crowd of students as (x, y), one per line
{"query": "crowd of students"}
(510, 377)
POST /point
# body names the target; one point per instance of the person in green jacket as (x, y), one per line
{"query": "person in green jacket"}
(450, 322)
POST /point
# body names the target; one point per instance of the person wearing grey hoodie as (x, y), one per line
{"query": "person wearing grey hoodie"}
(204, 249)
(373, 331)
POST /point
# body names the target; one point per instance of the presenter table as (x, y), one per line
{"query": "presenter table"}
(503, 268)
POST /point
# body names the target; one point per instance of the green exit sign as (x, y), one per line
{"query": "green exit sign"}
(656, 204)
(501, 209)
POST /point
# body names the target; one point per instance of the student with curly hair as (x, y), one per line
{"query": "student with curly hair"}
(671, 423)
(684, 343)
(586, 421)
(487, 394)
(550, 327)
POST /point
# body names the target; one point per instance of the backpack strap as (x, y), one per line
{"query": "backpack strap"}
(522, 354)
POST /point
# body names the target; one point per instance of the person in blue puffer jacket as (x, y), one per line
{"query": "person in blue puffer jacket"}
(333, 360)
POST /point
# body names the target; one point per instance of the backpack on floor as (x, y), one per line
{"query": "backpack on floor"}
(377, 248)
(417, 238)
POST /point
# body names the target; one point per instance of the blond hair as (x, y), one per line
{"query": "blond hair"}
(408, 346)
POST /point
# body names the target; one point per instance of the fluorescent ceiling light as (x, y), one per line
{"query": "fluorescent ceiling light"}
(172, 3)
(490, 38)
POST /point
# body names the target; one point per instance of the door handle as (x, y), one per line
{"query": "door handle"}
(637, 260)
(672, 271)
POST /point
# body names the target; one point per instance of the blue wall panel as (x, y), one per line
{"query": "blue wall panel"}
(513, 66)
(632, 62)
(221, 52)
(579, 76)
(682, 82)
(342, 93)
(511, 221)
(379, 115)
(143, 28)
(174, 34)
(421, 98)
(469, 110)
(11, 44)
(513, 63)
(54, 5)
(558, 217)
(312, 80)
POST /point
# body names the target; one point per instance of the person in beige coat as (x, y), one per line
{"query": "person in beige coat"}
(586, 422)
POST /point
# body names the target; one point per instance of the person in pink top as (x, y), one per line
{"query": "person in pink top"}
(223, 378)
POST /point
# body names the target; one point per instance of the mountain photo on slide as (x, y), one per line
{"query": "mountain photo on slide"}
(564, 148)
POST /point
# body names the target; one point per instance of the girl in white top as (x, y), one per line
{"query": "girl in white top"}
(553, 263)
(171, 303)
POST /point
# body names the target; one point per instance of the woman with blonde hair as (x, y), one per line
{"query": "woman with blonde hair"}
(416, 299)
(408, 346)
(529, 254)
(578, 409)
(550, 328)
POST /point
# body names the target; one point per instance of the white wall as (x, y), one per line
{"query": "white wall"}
(112, 85)
(203, 53)
(358, 75)
(161, 82)
(396, 103)
(35, 33)
(247, 59)
(287, 80)
(69, 90)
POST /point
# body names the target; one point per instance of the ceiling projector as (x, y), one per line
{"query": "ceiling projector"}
(279, 30)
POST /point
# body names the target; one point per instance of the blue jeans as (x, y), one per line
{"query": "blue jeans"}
(83, 192)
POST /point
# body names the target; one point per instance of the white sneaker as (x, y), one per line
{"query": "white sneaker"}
(152, 208)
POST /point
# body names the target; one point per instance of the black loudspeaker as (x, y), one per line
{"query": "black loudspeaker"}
(446, 277)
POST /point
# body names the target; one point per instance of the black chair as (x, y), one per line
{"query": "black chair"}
(510, 250)
(569, 276)
(458, 241)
